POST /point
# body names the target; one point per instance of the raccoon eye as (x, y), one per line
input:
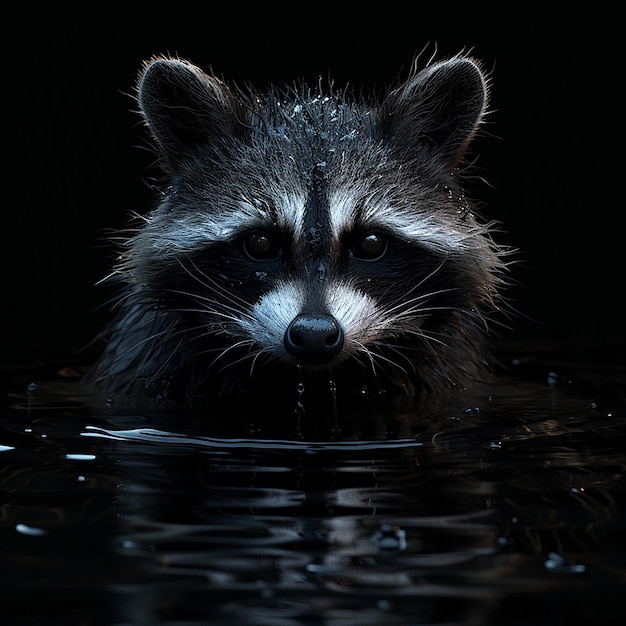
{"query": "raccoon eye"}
(260, 246)
(371, 247)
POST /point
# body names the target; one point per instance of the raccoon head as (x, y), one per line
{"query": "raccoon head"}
(310, 229)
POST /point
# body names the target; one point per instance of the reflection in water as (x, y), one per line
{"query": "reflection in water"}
(511, 513)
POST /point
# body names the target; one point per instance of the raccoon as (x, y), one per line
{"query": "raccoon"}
(306, 242)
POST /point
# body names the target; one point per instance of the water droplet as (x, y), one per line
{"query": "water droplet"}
(80, 457)
(557, 563)
(30, 530)
(390, 537)
(494, 445)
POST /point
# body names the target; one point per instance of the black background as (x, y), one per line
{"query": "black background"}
(79, 163)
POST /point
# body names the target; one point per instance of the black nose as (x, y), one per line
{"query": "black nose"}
(313, 339)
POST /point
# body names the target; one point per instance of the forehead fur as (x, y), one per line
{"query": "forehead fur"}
(250, 160)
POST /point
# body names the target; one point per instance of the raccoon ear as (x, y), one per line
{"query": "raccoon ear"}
(183, 106)
(439, 108)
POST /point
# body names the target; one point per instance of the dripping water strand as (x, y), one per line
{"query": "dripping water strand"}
(336, 430)
(299, 410)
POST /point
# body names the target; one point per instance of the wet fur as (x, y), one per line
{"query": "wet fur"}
(198, 320)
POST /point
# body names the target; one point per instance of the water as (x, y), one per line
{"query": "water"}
(512, 512)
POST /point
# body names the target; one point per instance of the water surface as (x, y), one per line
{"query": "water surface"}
(511, 512)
